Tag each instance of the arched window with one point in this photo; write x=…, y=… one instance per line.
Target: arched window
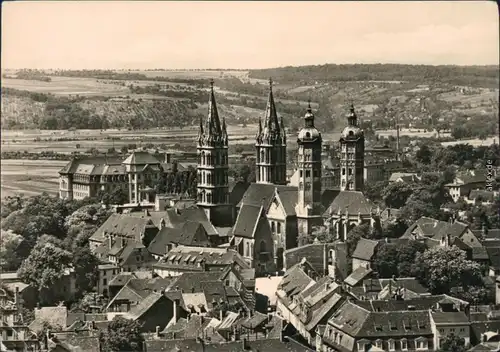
x=272, y=227
x=247, y=251
x=209, y=198
x=262, y=246
x=278, y=227
x=262, y=156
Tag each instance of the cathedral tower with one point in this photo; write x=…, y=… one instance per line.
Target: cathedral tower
x=352, y=151
x=270, y=145
x=212, y=148
x=308, y=208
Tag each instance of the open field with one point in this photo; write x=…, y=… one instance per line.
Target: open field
x=67, y=86
x=415, y=133
x=30, y=177
x=473, y=142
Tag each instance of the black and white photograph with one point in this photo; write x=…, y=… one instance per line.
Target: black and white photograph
x=264, y=176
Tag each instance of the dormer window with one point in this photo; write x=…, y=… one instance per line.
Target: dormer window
x=361, y=346
x=392, y=345
x=421, y=343
x=404, y=344
x=378, y=343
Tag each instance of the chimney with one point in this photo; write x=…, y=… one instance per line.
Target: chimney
x=325, y=259
x=176, y=308
x=16, y=296
x=244, y=344
x=157, y=331
x=448, y=240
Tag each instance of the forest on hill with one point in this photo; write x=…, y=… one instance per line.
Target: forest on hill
x=472, y=76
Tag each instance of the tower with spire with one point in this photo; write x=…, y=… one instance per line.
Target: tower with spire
x=212, y=169
x=270, y=145
x=352, y=151
x=309, y=208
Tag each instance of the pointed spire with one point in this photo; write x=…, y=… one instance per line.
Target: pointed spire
x=200, y=132
x=259, y=131
x=309, y=115
x=271, y=117
x=352, y=118
x=213, y=126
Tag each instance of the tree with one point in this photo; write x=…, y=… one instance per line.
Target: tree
x=453, y=343
x=9, y=243
x=444, y=268
x=397, y=259
x=396, y=194
x=117, y=196
x=44, y=267
x=424, y=155
x=85, y=266
x=83, y=223
x=354, y=236
x=373, y=191
x=122, y=335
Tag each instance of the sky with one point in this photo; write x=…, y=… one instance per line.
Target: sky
x=231, y=34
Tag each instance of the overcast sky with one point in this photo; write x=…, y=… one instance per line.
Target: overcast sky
x=92, y=34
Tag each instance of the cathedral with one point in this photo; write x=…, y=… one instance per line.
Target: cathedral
x=271, y=216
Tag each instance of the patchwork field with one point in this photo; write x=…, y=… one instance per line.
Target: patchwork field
x=67, y=86
x=29, y=177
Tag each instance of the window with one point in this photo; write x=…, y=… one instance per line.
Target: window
x=104, y=282
x=343, y=171
x=350, y=171
x=361, y=346
x=404, y=344
x=279, y=227
x=441, y=330
x=462, y=329
x=378, y=343
x=308, y=173
x=392, y=345
x=272, y=227
x=262, y=247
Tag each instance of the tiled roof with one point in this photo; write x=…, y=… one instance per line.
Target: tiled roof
x=468, y=178
x=314, y=254
x=237, y=191
x=92, y=165
x=365, y=249
x=189, y=282
x=294, y=281
x=408, y=283
x=323, y=310
x=194, y=301
x=55, y=316
x=359, y=322
x=190, y=234
x=121, y=279
x=141, y=158
x=479, y=253
x=456, y=229
x=274, y=345
x=177, y=218
x=357, y=276
x=247, y=220
x=254, y=321
x=122, y=225
x=259, y=194
x=352, y=201
x=428, y=226
x=421, y=303
x=186, y=257
x=145, y=305
x=406, y=176
x=449, y=318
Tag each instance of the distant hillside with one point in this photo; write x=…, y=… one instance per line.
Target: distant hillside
x=473, y=76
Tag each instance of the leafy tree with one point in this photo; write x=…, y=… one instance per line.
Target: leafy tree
x=397, y=259
x=396, y=194
x=9, y=243
x=394, y=229
x=85, y=266
x=44, y=267
x=83, y=223
x=354, y=236
x=424, y=155
x=453, y=343
x=117, y=196
x=85, y=302
x=373, y=191
x=444, y=268
x=122, y=335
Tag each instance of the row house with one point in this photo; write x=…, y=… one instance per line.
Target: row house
x=183, y=259
x=394, y=325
